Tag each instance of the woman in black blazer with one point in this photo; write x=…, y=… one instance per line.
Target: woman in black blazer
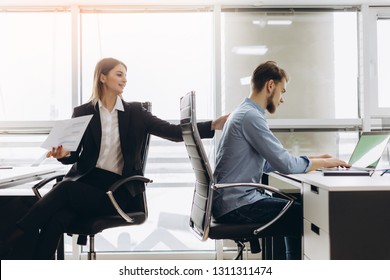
x=109, y=150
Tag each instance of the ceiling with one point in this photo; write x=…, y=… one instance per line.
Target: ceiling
x=193, y=2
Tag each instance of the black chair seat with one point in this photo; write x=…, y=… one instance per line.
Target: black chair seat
x=95, y=225
x=232, y=231
x=237, y=231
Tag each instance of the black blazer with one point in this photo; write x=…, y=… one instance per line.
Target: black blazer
x=134, y=124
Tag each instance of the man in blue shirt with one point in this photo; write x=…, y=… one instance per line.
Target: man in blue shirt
x=248, y=148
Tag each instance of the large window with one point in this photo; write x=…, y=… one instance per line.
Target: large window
x=376, y=65
x=318, y=50
x=383, y=31
x=167, y=55
x=35, y=80
x=35, y=70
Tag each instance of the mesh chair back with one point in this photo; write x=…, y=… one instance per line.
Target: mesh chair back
x=201, y=204
x=141, y=204
x=145, y=148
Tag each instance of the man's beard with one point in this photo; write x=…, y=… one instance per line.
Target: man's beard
x=271, y=108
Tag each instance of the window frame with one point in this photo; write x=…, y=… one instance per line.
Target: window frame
x=369, y=64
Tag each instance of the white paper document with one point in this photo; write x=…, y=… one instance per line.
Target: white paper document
x=67, y=133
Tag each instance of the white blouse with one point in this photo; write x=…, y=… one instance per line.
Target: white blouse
x=110, y=156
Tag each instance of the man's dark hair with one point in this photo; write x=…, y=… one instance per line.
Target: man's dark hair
x=265, y=72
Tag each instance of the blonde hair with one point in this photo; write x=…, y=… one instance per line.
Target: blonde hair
x=104, y=66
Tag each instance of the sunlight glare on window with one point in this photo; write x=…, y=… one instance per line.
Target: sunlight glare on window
x=166, y=55
x=35, y=65
x=345, y=64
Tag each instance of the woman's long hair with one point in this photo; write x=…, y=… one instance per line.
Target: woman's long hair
x=104, y=66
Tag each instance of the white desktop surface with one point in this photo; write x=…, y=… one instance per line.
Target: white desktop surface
x=345, y=183
x=15, y=174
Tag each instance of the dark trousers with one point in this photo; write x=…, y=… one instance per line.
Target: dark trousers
x=290, y=225
x=68, y=200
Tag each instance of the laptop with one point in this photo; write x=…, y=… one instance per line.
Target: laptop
x=365, y=157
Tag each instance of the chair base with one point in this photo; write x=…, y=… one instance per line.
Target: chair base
x=240, y=249
x=82, y=241
x=92, y=253
x=254, y=247
x=271, y=248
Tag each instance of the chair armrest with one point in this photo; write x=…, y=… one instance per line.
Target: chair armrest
x=119, y=184
x=42, y=183
x=260, y=186
x=290, y=199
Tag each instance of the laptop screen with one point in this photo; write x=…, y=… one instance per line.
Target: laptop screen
x=369, y=149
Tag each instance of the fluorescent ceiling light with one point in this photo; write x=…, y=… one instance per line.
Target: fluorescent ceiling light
x=257, y=21
x=250, y=50
x=279, y=22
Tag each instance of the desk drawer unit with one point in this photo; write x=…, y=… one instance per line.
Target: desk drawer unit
x=316, y=222
x=316, y=243
x=316, y=206
x=345, y=218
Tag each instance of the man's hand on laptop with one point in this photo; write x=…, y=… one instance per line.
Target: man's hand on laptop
x=326, y=161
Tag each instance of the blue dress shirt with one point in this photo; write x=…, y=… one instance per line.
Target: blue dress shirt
x=246, y=150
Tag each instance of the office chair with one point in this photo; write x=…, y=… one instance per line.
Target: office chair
x=201, y=220
x=124, y=217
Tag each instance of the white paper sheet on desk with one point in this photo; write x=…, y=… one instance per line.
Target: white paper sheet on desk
x=67, y=133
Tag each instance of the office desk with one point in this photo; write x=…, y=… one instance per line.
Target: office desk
x=344, y=217
x=17, y=197
x=16, y=176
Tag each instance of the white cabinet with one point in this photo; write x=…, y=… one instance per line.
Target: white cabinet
x=316, y=244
